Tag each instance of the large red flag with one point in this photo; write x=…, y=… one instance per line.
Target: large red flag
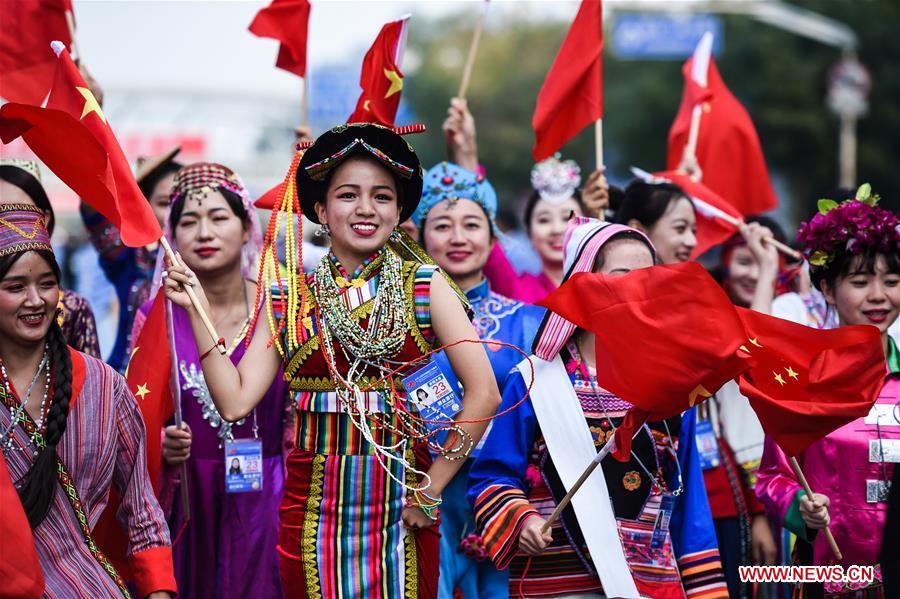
x=667, y=336
x=572, y=94
x=381, y=79
x=148, y=377
x=288, y=22
x=26, y=62
x=728, y=149
x=807, y=383
x=20, y=569
x=72, y=137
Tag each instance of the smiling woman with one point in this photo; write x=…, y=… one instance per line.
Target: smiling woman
x=362, y=490
x=74, y=432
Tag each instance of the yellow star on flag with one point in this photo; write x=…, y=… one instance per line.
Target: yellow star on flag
x=699, y=391
x=755, y=341
x=142, y=390
x=90, y=104
x=396, y=82
x=779, y=378
x=366, y=106
x=791, y=373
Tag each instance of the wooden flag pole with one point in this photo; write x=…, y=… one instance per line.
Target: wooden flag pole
x=598, y=142
x=304, y=105
x=781, y=247
x=803, y=482
x=179, y=421
x=473, y=51
x=608, y=448
x=210, y=328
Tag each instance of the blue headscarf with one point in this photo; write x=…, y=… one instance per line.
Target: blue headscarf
x=448, y=182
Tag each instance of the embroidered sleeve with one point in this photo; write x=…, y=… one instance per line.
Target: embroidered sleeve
x=693, y=535
x=422, y=299
x=79, y=326
x=148, y=535
x=776, y=486
x=497, y=483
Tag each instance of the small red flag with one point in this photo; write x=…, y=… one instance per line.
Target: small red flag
x=288, y=22
x=667, y=336
x=381, y=79
x=72, y=137
x=148, y=377
x=806, y=382
x=728, y=149
x=26, y=62
x=572, y=94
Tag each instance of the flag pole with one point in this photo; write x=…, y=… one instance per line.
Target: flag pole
x=174, y=393
x=304, y=104
x=598, y=142
x=210, y=328
x=70, y=21
x=803, y=482
x=608, y=448
x=473, y=50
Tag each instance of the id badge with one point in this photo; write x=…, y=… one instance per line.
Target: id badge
x=243, y=466
x=877, y=491
x=707, y=444
x=889, y=452
x=661, y=528
x=431, y=393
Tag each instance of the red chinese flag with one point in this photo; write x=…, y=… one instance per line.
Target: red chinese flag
x=148, y=379
x=72, y=137
x=667, y=336
x=713, y=212
x=728, y=148
x=26, y=62
x=805, y=382
x=381, y=79
x=572, y=94
x=288, y=22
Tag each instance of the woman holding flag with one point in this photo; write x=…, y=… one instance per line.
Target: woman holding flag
x=362, y=490
x=854, y=253
x=655, y=540
x=228, y=548
x=69, y=430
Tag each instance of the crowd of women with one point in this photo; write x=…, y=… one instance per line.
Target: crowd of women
x=387, y=397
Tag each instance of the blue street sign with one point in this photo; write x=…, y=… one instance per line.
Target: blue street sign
x=662, y=36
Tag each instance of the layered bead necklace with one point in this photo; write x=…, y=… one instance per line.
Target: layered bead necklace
x=18, y=415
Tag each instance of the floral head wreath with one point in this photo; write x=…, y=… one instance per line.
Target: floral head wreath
x=555, y=180
x=856, y=225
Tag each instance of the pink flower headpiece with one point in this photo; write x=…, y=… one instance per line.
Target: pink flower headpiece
x=856, y=225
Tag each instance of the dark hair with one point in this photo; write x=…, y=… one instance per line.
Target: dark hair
x=320, y=191
x=645, y=202
x=38, y=487
x=843, y=261
x=632, y=235
x=148, y=183
x=532, y=201
x=486, y=217
x=32, y=187
x=234, y=202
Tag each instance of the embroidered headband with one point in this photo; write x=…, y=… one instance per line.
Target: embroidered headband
x=23, y=228
x=195, y=181
x=29, y=166
x=555, y=180
x=448, y=182
x=856, y=225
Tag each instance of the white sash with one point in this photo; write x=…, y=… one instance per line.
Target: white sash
x=572, y=448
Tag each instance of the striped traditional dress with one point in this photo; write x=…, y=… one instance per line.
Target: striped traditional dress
x=103, y=445
x=341, y=531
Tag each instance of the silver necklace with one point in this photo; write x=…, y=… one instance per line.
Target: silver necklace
x=6, y=439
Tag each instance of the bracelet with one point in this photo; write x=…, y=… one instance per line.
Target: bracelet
x=430, y=506
x=221, y=341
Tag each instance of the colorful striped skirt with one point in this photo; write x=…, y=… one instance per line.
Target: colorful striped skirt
x=341, y=530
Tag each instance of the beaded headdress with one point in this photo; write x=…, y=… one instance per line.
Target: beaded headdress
x=555, y=180
x=856, y=225
x=23, y=228
x=196, y=181
x=29, y=166
x=448, y=182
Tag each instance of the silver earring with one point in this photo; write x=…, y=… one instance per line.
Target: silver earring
x=323, y=231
